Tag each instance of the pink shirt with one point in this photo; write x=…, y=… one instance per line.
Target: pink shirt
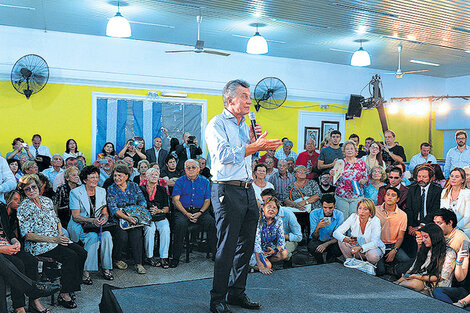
x=351, y=172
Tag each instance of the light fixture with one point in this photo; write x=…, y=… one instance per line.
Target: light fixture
x=443, y=108
x=257, y=44
x=467, y=110
x=424, y=62
x=118, y=26
x=361, y=57
x=393, y=108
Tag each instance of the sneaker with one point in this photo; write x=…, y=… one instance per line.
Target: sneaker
x=120, y=265
x=140, y=269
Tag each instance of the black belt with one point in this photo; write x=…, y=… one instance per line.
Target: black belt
x=237, y=183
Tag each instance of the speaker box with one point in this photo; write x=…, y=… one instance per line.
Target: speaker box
x=354, y=108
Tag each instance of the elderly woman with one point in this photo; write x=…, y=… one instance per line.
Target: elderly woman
x=14, y=165
x=377, y=178
x=350, y=176
x=20, y=148
x=158, y=205
x=62, y=194
x=260, y=183
x=71, y=150
x=364, y=241
x=142, y=167
x=304, y=194
x=136, y=152
x=456, y=197
x=88, y=206
x=374, y=158
x=30, y=167
x=270, y=244
x=121, y=194
x=43, y=236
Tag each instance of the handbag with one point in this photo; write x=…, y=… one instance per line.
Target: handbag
x=139, y=213
x=92, y=228
x=361, y=265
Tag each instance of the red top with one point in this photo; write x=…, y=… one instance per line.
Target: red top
x=308, y=161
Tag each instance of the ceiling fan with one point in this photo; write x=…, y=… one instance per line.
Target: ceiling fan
x=199, y=46
x=399, y=73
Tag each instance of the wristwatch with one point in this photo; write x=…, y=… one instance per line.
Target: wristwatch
x=395, y=248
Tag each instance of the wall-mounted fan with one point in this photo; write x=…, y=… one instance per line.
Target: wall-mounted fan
x=270, y=93
x=29, y=75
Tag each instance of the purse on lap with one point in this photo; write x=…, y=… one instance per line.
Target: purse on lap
x=139, y=213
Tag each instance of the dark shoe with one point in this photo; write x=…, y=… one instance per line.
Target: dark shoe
x=165, y=263
x=87, y=280
x=151, y=262
x=220, y=307
x=244, y=302
x=287, y=264
x=174, y=263
x=66, y=304
x=46, y=289
x=107, y=275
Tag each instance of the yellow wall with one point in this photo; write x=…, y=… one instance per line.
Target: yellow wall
x=60, y=112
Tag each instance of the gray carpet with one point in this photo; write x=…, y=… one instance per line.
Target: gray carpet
x=319, y=288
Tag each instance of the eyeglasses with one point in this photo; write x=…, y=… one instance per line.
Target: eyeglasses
x=191, y=167
x=93, y=177
x=301, y=172
x=461, y=138
x=30, y=188
x=394, y=177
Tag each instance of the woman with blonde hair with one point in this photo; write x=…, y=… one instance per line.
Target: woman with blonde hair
x=377, y=178
x=364, y=241
x=456, y=197
x=467, y=176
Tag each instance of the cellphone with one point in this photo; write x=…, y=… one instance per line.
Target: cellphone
x=103, y=161
x=406, y=275
x=328, y=219
x=465, y=245
x=418, y=234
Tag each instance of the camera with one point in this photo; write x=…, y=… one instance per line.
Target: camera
x=24, y=144
x=191, y=140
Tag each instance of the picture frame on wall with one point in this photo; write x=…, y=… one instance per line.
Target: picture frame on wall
x=312, y=133
x=328, y=126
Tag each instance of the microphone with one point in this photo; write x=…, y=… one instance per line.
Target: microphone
x=252, y=117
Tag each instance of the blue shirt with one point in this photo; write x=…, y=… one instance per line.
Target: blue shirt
x=326, y=233
x=192, y=193
x=269, y=236
x=418, y=159
x=291, y=226
x=51, y=173
x=226, y=141
x=118, y=199
x=371, y=193
x=455, y=158
x=280, y=155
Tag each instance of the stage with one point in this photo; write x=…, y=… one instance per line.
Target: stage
x=319, y=288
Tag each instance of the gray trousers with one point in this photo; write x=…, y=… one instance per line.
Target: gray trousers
x=236, y=217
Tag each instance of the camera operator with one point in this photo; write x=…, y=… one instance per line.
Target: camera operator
x=188, y=150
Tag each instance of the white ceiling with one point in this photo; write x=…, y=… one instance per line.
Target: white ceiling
x=320, y=30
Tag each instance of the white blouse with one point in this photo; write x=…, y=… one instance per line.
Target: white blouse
x=371, y=234
x=461, y=208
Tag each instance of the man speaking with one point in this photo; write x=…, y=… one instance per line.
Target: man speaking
x=231, y=143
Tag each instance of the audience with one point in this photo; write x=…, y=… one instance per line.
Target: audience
x=374, y=158
x=108, y=150
x=309, y=159
x=14, y=165
x=458, y=156
x=447, y=221
x=392, y=151
x=134, y=149
x=304, y=194
x=377, y=177
x=20, y=148
x=42, y=154
x=260, y=183
x=60, y=179
x=30, y=167
x=281, y=181
x=367, y=143
x=323, y=222
x=56, y=168
x=269, y=153
x=290, y=164
x=7, y=179
x=325, y=184
x=71, y=150
x=424, y=156
x=330, y=154
x=157, y=154
x=395, y=177
x=129, y=161
x=170, y=173
x=286, y=151
x=106, y=165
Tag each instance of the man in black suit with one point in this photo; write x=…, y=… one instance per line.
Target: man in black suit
x=423, y=201
x=188, y=150
x=157, y=154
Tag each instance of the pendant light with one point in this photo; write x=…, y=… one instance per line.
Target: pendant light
x=361, y=57
x=257, y=44
x=118, y=26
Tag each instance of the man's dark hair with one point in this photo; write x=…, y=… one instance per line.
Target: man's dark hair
x=395, y=189
x=328, y=198
x=396, y=169
x=36, y=135
x=88, y=170
x=461, y=132
x=70, y=159
x=447, y=216
x=335, y=132
x=370, y=138
x=169, y=157
x=425, y=167
x=425, y=144
x=354, y=136
x=269, y=192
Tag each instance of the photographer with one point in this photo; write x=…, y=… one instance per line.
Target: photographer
x=134, y=148
x=188, y=150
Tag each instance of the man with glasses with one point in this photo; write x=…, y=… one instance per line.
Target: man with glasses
x=458, y=156
x=395, y=177
x=191, y=198
x=269, y=162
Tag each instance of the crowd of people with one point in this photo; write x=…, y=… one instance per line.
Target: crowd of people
x=350, y=201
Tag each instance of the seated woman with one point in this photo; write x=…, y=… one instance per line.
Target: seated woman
x=270, y=243
x=456, y=197
x=158, y=205
x=71, y=150
x=377, y=178
x=62, y=194
x=43, y=235
x=15, y=168
x=434, y=263
x=304, y=194
x=260, y=183
x=88, y=206
x=136, y=152
x=142, y=167
x=364, y=241
x=20, y=148
x=30, y=167
x=46, y=187
x=121, y=194
x=108, y=149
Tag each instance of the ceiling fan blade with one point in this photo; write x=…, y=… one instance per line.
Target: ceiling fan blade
x=389, y=73
x=411, y=72
x=216, y=53
x=177, y=51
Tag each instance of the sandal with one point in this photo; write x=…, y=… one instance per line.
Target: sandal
x=66, y=304
x=165, y=263
x=107, y=275
x=32, y=309
x=87, y=280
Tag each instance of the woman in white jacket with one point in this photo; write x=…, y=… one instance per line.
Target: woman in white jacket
x=456, y=197
x=364, y=240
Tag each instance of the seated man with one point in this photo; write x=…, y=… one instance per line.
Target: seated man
x=447, y=220
x=323, y=222
x=170, y=173
x=395, y=177
x=292, y=229
x=270, y=241
x=393, y=222
x=269, y=153
x=271, y=170
x=59, y=179
x=55, y=169
x=281, y=180
x=191, y=197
